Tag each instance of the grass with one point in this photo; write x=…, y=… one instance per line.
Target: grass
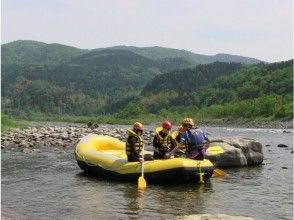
x=213, y=114
x=8, y=123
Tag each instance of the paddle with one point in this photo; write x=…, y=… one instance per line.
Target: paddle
x=218, y=173
x=141, y=181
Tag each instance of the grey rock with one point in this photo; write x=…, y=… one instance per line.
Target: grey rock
x=282, y=145
x=26, y=150
x=238, y=151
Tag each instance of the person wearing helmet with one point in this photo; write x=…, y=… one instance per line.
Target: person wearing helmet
x=134, y=142
x=195, y=140
x=162, y=142
x=178, y=149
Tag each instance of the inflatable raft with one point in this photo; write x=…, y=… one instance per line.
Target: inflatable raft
x=105, y=156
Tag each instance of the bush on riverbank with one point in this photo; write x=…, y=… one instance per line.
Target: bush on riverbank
x=7, y=123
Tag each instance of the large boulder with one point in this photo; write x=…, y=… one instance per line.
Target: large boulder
x=238, y=151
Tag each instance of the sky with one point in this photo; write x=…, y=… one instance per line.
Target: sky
x=261, y=29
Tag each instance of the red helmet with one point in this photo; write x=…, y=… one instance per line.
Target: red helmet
x=167, y=125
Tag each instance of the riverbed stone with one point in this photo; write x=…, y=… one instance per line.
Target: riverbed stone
x=282, y=145
x=26, y=150
x=238, y=151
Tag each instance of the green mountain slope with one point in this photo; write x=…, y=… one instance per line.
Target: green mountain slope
x=161, y=52
x=57, y=79
x=189, y=79
x=26, y=51
x=264, y=90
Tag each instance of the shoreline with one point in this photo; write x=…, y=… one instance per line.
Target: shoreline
x=63, y=135
x=232, y=123
x=242, y=123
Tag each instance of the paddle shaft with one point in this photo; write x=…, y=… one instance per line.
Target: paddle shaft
x=141, y=181
x=142, y=163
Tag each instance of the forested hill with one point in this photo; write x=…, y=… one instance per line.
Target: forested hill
x=189, y=79
x=260, y=90
x=58, y=79
x=26, y=51
x=163, y=53
x=34, y=52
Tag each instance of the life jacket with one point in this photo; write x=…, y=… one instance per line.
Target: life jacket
x=164, y=142
x=176, y=136
x=138, y=145
x=196, y=139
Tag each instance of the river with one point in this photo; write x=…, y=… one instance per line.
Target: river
x=49, y=185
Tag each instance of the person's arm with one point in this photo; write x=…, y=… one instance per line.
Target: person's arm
x=179, y=146
x=207, y=142
x=173, y=143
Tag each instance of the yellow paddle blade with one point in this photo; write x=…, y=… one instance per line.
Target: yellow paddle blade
x=218, y=173
x=213, y=150
x=142, y=183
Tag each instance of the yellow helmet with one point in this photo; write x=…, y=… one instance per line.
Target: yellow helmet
x=138, y=125
x=188, y=121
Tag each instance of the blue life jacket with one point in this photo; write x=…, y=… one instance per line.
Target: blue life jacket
x=196, y=139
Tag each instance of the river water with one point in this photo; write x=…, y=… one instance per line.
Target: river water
x=49, y=185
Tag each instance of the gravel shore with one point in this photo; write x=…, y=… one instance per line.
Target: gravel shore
x=242, y=123
x=63, y=136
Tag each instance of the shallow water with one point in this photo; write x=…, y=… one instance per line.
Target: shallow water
x=50, y=185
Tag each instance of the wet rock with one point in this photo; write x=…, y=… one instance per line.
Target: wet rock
x=117, y=136
x=63, y=136
x=16, y=141
x=26, y=150
x=23, y=144
x=238, y=151
x=282, y=145
x=37, y=150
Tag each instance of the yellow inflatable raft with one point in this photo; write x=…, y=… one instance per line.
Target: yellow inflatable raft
x=105, y=156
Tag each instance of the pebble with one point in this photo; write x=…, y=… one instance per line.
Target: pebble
x=282, y=145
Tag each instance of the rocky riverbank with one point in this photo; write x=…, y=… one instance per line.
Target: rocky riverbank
x=57, y=137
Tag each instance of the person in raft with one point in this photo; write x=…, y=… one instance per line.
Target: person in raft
x=176, y=136
x=162, y=142
x=195, y=140
x=134, y=144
